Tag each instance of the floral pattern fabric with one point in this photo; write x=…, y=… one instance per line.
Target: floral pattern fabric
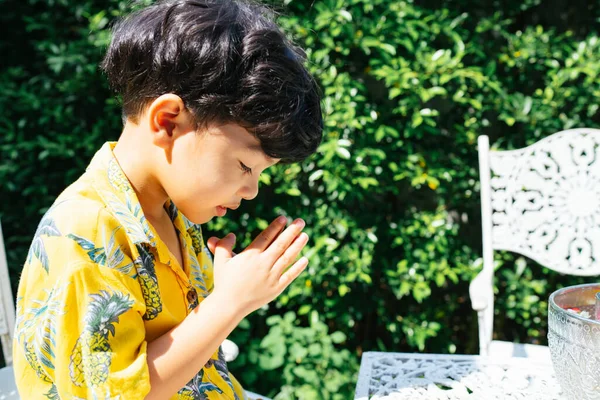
x=98, y=285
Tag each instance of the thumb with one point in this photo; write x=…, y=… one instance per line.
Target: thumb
x=224, y=247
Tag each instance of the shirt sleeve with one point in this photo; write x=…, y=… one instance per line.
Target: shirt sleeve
x=98, y=335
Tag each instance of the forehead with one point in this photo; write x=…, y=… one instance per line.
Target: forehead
x=240, y=139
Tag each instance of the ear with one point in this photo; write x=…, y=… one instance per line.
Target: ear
x=167, y=119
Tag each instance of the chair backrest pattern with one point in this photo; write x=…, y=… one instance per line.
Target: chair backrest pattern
x=545, y=201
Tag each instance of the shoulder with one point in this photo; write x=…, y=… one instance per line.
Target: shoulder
x=78, y=209
x=75, y=230
x=82, y=217
x=79, y=242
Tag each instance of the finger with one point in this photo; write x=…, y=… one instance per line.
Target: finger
x=224, y=247
x=292, y=273
x=266, y=237
x=212, y=244
x=290, y=254
x=283, y=241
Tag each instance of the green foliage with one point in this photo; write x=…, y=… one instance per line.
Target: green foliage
x=391, y=199
x=307, y=358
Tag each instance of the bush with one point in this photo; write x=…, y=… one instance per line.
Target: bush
x=391, y=199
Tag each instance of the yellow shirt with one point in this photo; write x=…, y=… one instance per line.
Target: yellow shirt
x=97, y=285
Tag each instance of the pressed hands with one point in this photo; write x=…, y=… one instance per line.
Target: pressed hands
x=260, y=273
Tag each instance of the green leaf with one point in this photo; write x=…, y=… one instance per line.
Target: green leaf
x=304, y=309
x=338, y=337
x=343, y=290
x=346, y=15
x=343, y=153
x=437, y=55
x=293, y=192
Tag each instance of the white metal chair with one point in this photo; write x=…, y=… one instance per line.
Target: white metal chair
x=8, y=388
x=543, y=202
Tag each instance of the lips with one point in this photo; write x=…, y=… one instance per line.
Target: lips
x=222, y=210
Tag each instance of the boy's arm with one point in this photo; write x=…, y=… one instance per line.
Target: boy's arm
x=243, y=284
x=175, y=357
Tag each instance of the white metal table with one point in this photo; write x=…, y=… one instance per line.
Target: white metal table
x=408, y=376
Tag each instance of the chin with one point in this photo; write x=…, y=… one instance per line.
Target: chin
x=200, y=220
x=203, y=220
x=196, y=218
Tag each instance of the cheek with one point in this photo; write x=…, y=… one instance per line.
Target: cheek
x=197, y=181
x=181, y=177
x=203, y=186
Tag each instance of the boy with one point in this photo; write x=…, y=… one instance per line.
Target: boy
x=118, y=298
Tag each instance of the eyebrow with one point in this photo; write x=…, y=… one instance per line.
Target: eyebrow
x=258, y=149
x=254, y=147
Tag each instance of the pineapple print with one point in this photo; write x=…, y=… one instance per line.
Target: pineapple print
x=132, y=214
x=96, y=396
x=172, y=210
x=197, y=277
x=36, y=332
x=196, y=389
x=47, y=227
x=34, y=362
x=111, y=255
x=148, y=281
x=91, y=356
x=52, y=393
x=129, y=212
x=196, y=274
x=221, y=366
x=197, y=241
x=116, y=177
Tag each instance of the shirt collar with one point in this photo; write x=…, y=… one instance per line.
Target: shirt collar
x=118, y=195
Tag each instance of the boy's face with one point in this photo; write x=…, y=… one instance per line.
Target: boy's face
x=211, y=171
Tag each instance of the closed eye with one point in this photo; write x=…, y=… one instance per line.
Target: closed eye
x=245, y=168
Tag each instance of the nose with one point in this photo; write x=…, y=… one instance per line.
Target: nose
x=250, y=190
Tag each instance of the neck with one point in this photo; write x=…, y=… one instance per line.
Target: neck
x=136, y=163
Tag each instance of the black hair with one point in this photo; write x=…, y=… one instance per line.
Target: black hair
x=228, y=61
